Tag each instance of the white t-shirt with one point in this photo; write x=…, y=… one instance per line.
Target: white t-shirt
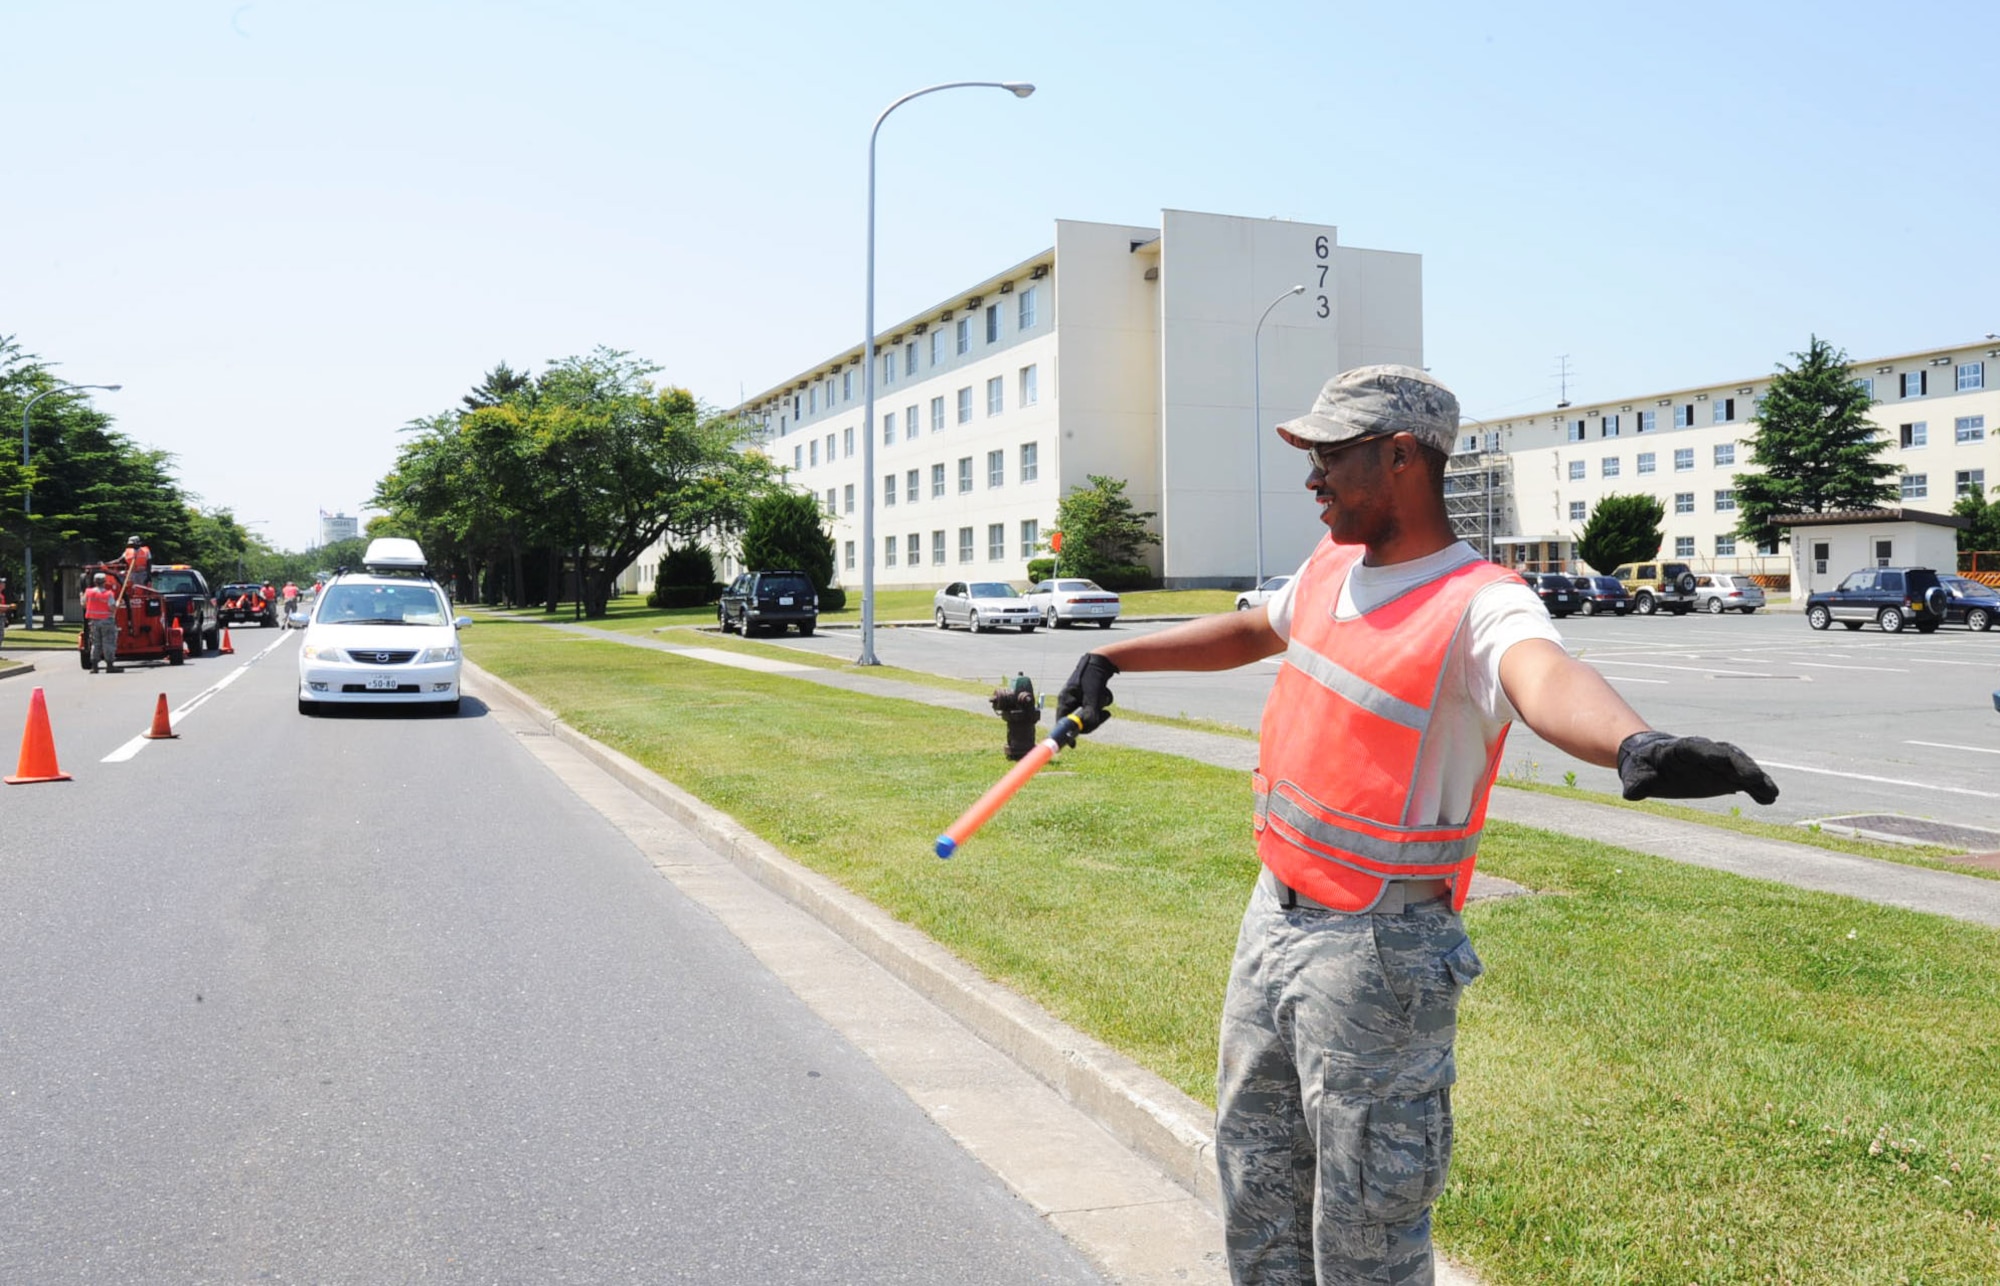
x=1471, y=705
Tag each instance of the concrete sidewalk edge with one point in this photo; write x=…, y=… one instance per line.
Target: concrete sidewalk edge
x=1135, y=1106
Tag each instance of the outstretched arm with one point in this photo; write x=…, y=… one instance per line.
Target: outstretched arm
x=1220, y=642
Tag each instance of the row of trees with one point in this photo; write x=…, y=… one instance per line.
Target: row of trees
x=1818, y=451
x=93, y=487
x=568, y=475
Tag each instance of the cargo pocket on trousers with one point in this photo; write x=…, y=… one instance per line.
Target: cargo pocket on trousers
x=1464, y=963
x=1384, y=1135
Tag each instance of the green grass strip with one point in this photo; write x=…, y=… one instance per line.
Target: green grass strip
x=1669, y=1074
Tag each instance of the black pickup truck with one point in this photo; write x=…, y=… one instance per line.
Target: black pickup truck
x=242, y=604
x=185, y=598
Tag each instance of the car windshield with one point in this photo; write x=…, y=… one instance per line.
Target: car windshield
x=412, y=604
x=993, y=589
x=173, y=582
x=794, y=585
x=1276, y=582
x=1971, y=588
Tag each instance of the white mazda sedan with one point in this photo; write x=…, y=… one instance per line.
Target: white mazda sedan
x=383, y=637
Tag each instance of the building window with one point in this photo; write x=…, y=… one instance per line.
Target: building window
x=1031, y=467
x=937, y=414
x=937, y=549
x=937, y=347
x=992, y=323
x=888, y=489
x=1576, y=430
x=1725, y=453
x=889, y=367
x=847, y=556
x=1867, y=385
x=1646, y=459
x=1683, y=459
x=1576, y=468
x=996, y=468
x=1916, y=486
x=910, y=423
x=889, y=429
x=1769, y=548
x=911, y=482
x=1025, y=320
x=964, y=475
x=1649, y=421
x=1722, y=410
x=1914, y=383
x=1971, y=375
x=798, y=456
x=995, y=392
x=832, y=496
x=996, y=541
x=965, y=544
x=1609, y=427
x=1885, y=552
x=847, y=442
x=913, y=548
x=812, y=452
x=847, y=385
x=937, y=482
x=1469, y=443
x=1725, y=500
x=1683, y=546
x=847, y=498
x=1684, y=416
x=1576, y=510
x=1913, y=435
x=829, y=448
x=1684, y=502
x=888, y=551
x=965, y=405
x=910, y=360
x=1972, y=482
x=1969, y=428
x=1725, y=546
x=1029, y=396
x=1609, y=467
x=964, y=335
x=812, y=400
x=1031, y=536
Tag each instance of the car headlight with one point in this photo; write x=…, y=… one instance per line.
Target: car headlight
x=311, y=653
x=438, y=654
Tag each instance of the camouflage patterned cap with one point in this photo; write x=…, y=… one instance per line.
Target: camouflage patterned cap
x=1378, y=399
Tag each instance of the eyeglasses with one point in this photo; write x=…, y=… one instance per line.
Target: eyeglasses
x=1322, y=453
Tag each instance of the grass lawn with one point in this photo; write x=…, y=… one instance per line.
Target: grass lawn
x=1670, y=1074
x=25, y=644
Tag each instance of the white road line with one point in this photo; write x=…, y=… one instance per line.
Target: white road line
x=194, y=703
x=1880, y=669
x=1633, y=678
x=1946, y=745
x=1886, y=781
x=1691, y=669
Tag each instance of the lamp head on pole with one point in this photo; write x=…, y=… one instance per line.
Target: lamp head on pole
x=1018, y=88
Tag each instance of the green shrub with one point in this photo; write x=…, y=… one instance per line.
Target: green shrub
x=832, y=599
x=1040, y=569
x=683, y=595
x=1126, y=576
x=689, y=566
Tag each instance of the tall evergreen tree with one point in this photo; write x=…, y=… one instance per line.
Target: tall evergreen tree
x=1621, y=529
x=786, y=532
x=1818, y=449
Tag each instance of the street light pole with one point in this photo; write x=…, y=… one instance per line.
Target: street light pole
x=28, y=499
x=1257, y=416
x=1019, y=89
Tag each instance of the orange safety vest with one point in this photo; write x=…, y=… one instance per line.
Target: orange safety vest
x=137, y=557
x=97, y=604
x=1346, y=731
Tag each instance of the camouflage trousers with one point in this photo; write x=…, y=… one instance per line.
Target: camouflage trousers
x=1333, y=1098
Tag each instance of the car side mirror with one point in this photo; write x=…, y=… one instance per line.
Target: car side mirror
x=460, y=622
x=297, y=620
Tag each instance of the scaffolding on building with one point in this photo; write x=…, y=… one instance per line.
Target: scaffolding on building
x=1477, y=487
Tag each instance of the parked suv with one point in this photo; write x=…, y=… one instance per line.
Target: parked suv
x=1892, y=597
x=1971, y=603
x=761, y=601
x=1719, y=592
x=185, y=598
x=1658, y=587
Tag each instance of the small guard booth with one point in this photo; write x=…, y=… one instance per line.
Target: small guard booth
x=1828, y=546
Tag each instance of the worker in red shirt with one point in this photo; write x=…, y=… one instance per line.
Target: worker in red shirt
x=138, y=560
x=100, y=640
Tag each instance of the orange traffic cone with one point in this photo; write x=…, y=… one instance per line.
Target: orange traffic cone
x=38, y=746
x=161, y=729
x=226, y=648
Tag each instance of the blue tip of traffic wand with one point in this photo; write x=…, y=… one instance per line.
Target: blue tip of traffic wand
x=946, y=846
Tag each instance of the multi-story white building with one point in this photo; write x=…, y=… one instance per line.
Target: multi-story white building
x=337, y=526
x=1120, y=351
x=1523, y=486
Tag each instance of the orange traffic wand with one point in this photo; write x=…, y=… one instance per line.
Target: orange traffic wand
x=161, y=729
x=1003, y=790
x=38, y=746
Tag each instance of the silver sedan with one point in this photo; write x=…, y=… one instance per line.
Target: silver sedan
x=1064, y=601
x=981, y=605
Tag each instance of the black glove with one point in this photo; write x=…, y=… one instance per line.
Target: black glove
x=1086, y=695
x=1662, y=766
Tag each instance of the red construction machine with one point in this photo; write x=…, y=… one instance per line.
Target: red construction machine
x=147, y=631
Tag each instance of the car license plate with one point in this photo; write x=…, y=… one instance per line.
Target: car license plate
x=381, y=683
x=784, y=602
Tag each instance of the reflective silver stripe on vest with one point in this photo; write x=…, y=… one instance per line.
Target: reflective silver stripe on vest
x=1385, y=852
x=1345, y=683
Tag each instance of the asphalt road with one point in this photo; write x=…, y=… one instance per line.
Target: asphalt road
x=377, y=999
x=1847, y=722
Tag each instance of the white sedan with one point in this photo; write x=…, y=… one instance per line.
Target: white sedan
x=1262, y=594
x=1065, y=601
x=981, y=605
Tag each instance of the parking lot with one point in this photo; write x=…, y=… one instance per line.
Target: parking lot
x=1848, y=722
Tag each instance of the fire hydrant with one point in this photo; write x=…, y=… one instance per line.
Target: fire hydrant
x=1017, y=705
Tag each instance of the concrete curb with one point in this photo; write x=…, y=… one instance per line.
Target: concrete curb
x=1132, y=1104
x=8, y=669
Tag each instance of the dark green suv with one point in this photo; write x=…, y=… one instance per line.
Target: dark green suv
x=768, y=601
x=1892, y=597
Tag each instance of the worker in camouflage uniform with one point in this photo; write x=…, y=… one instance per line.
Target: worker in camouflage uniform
x=1406, y=658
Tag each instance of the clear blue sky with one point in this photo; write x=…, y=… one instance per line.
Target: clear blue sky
x=288, y=227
